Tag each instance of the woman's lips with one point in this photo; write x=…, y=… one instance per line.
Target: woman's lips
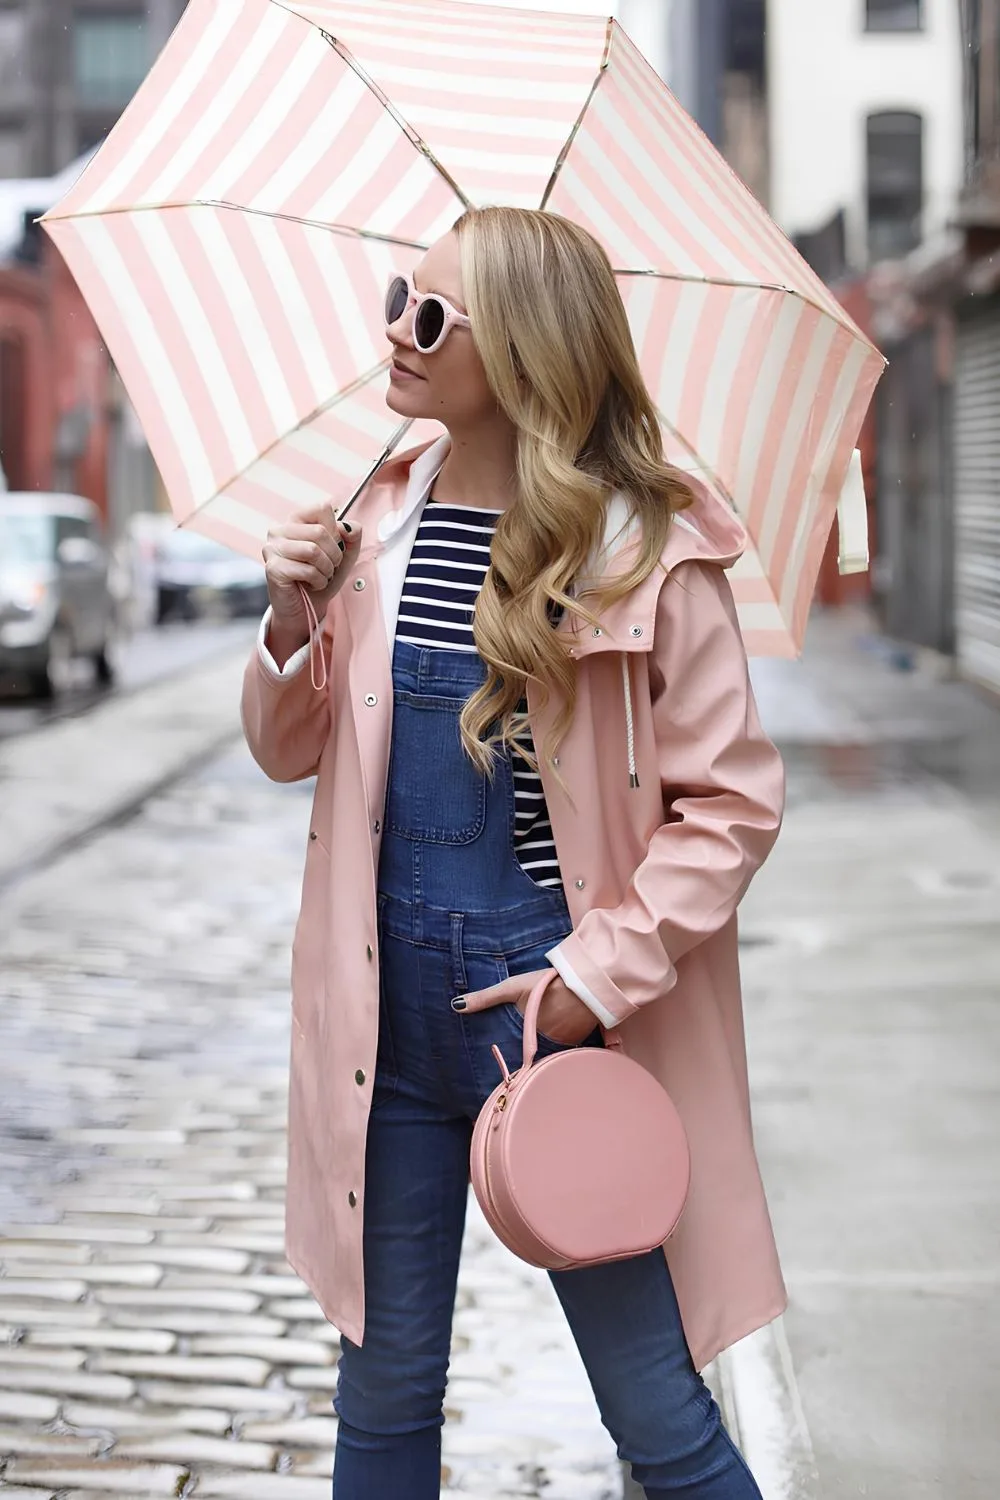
x=401, y=373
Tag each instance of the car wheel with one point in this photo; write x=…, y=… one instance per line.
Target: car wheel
x=104, y=667
x=56, y=673
x=40, y=684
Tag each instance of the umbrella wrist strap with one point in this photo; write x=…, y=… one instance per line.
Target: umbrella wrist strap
x=317, y=674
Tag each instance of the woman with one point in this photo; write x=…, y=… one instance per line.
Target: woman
x=573, y=777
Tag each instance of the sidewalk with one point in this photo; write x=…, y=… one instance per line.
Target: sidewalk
x=61, y=783
x=872, y=970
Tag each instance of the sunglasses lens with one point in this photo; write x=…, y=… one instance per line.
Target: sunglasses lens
x=428, y=323
x=396, y=299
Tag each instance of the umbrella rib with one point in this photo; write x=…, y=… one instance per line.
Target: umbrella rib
x=564, y=152
x=417, y=141
x=347, y=230
x=702, y=463
x=756, y=286
x=334, y=401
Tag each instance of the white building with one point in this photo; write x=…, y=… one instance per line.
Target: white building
x=853, y=108
x=865, y=118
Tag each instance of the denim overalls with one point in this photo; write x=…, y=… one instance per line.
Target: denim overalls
x=458, y=914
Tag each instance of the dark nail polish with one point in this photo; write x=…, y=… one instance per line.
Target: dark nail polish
x=458, y=1005
x=347, y=525
x=340, y=544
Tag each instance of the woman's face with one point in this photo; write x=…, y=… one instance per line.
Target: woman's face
x=449, y=385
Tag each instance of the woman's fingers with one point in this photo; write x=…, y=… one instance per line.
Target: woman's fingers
x=308, y=549
x=515, y=988
x=292, y=549
x=289, y=571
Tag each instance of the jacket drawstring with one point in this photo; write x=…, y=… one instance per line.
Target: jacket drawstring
x=633, y=776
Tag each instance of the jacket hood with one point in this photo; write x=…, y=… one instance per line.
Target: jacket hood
x=707, y=531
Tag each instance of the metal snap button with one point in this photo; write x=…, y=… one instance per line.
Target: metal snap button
x=352, y=1198
x=359, y=1076
x=555, y=760
x=377, y=826
x=370, y=700
x=311, y=834
x=636, y=630
x=580, y=884
x=359, y=584
x=370, y=952
x=598, y=630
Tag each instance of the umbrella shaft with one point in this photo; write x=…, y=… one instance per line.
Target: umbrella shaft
x=403, y=428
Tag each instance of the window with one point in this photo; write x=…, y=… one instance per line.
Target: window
x=893, y=15
x=110, y=57
x=982, y=83
x=27, y=539
x=13, y=45
x=13, y=157
x=895, y=183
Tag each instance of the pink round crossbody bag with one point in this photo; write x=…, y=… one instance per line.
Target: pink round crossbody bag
x=578, y=1158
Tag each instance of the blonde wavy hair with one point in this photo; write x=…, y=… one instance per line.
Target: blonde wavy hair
x=549, y=325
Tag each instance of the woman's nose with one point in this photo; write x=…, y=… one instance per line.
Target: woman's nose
x=401, y=332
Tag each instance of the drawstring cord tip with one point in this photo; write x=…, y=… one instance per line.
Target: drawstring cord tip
x=633, y=780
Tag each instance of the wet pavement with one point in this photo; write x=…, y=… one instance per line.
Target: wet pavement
x=154, y=1342
x=143, y=657
x=152, y=1338
x=872, y=979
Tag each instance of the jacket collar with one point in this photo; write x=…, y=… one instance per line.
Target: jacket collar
x=708, y=531
x=398, y=492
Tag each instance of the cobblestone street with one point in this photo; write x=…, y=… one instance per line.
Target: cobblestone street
x=154, y=1342
x=152, y=1339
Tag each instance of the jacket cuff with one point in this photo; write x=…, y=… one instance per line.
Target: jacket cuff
x=292, y=666
x=596, y=990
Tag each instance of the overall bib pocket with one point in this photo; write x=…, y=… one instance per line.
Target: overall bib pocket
x=437, y=797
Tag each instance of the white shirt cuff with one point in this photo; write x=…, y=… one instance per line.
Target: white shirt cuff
x=572, y=981
x=295, y=662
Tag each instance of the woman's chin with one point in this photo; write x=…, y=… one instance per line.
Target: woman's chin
x=408, y=400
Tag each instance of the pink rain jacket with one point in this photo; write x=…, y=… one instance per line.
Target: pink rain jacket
x=653, y=876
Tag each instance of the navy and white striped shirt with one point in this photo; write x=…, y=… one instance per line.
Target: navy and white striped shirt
x=450, y=557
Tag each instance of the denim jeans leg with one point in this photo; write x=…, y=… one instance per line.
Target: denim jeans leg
x=627, y=1327
x=390, y=1390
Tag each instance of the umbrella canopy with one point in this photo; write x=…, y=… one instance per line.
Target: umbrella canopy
x=235, y=233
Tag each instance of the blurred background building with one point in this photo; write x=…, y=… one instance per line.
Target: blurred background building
x=869, y=128
x=871, y=131
x=67, y=69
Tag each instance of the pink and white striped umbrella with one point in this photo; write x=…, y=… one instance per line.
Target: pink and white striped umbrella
x=235, y=233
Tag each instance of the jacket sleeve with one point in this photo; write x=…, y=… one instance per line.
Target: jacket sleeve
x=286, y=720
x=723, y=796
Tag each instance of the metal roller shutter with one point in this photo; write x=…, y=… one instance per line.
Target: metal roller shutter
x=977, y=496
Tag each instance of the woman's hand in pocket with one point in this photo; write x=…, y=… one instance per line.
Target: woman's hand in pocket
x=562, y=1016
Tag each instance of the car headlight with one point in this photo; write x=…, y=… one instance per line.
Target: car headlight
x=25, y=598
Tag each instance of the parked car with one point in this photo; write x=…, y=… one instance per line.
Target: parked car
x=55, y=601
x=195, y=576
x=144, y=530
